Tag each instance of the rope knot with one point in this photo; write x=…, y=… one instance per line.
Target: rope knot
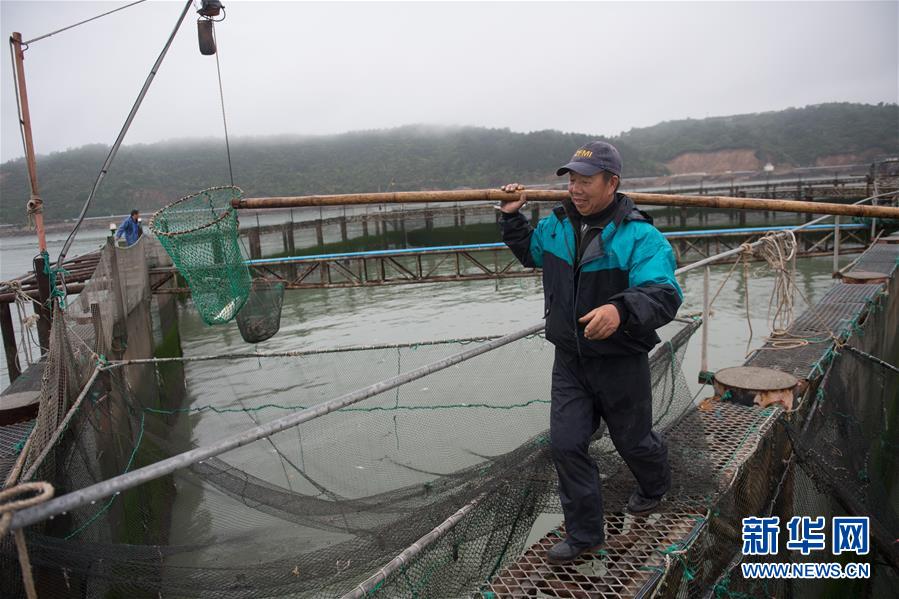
x=34, y=206
x=12, y=500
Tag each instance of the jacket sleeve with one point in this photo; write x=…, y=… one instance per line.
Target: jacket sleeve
x=522, y=239
x=120, y=232
x=653, y=295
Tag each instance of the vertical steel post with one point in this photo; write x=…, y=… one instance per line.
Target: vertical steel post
x=706, y=310
x=255, y=243
x=289, y=250
x=874, y=203
x=42, y=303
x=836, y=245
x=794, y=286
x=9, y=342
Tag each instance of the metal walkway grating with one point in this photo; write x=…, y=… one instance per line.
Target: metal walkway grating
x=850, y=294
x=800, y=362
x=726, y=436
x=632, y=556
x=629, y=559
x=881, y=257
x=834, y=313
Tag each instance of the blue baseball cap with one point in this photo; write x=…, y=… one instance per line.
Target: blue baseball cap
x=593, y=157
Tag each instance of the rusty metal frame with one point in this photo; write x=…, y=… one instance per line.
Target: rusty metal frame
x=470, y=264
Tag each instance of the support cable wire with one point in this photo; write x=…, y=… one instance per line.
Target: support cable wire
x=218, y=69
x=46, y=35
x=118, y=142
x=307, y=352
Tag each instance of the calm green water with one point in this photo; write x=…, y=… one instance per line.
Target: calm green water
x=17, y=252
x=363, y=453
x=321, y=318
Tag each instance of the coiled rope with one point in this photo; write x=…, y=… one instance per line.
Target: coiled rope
x=11, y=500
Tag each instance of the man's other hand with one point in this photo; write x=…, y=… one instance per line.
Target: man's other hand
x=601, y=322
x=513, y=206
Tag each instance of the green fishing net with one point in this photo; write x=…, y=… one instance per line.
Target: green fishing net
x=200, y=233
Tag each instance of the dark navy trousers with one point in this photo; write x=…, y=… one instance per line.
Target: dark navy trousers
x=586, y=391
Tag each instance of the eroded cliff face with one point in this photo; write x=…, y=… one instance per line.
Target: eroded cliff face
x=747, y=159
x=719, y=161
x=849, y=158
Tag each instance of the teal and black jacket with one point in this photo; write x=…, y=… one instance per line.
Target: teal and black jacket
x=629, y=264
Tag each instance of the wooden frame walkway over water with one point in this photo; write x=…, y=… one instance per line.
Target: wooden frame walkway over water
x=477, y=262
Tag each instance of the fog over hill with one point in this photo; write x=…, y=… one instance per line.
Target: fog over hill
x=430, y=157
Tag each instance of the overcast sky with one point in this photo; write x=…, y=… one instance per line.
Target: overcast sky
x=315, y=68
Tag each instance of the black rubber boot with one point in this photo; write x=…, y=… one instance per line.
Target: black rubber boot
x=564, y=552
x=639, y=504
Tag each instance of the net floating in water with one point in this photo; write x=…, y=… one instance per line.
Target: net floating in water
x=200, y=233
x=260, y=317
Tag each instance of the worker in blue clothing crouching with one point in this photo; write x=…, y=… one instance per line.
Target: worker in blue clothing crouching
x=608, y=284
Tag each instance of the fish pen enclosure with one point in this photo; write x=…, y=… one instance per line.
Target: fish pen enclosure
x=425, y=469
x=316, y=509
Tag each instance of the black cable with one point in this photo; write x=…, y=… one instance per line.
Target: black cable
x=218, y=69
x=118, y=142
x=46, y=35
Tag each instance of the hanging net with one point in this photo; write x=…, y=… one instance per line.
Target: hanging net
x=313, y=511
x=260, y=317
x=200, y=233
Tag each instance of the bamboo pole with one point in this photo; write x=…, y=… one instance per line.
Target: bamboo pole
x=496, y=195
x=35, y=204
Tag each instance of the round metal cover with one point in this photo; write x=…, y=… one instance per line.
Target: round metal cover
x=19, y=406
x=755, y=379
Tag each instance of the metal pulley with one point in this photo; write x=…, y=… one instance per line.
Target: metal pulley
x=210, y=8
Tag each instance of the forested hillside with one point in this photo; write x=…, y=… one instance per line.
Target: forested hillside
x=425, y=157
x=797, y=135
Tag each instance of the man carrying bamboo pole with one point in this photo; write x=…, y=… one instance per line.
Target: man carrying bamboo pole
x=608, y=284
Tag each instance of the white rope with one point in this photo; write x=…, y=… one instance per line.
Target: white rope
x=778, y=253
x=17, y=498
x=27, y=321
